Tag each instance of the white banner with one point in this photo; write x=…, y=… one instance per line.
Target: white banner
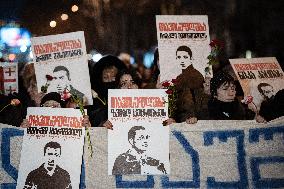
x=210, y=154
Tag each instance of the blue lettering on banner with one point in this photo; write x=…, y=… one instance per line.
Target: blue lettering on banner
x=266, y=132
x=149, y=183
x=259, y=182
x=223, y=136
x=82, y=184
x=195, y=183
x=7, y=134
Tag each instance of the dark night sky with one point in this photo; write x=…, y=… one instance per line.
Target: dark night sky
x=257, y=25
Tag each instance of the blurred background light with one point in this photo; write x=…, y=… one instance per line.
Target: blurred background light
x=97, y=57
x=64, y=17
x=148, y=59
x=52, y=24
x=248, y=54
x=74, y=8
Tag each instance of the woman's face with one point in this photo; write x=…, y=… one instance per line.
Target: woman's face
x=108, y=74
x=126, y=82
x=226, y=92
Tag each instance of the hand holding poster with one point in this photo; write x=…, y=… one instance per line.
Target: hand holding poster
x=61, y=64
x=138, y=143
x=259, y=77
x=183, y=41
x=57, y=137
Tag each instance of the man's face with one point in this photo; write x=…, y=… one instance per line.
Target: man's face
x=183, y=59
x=141, y=140
x=51, y=157
x=267, y=91
x=61, y=81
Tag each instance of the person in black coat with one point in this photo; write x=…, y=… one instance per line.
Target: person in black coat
x=223, y=104
x=272, y=106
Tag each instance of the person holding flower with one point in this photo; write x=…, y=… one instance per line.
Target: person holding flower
x=223, y=104
x=54, y=100
x=11, y=110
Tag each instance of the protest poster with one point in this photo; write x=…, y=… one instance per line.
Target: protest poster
x=52, y=149
x=183, y=40
x=8, y=78
x=61, y=63
x=138, y=143
x=260, y=78
x=59, y=47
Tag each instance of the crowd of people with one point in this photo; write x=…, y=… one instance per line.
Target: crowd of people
x=199, y=98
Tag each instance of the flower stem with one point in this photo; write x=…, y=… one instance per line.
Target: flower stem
x=4, y=107
x=80, y=104
x=103, y=102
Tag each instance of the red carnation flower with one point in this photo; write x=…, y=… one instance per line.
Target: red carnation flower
x=65, y=95
x=174, y=81
x=248, y=99
x=166, y=84
x=216, y=43
x=169, y=91
x=49, y=77
x=15, y=102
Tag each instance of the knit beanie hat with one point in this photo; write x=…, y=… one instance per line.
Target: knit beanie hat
x=52, y=96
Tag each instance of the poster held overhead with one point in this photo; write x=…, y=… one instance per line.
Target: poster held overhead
x=182, y=41
x=64, y=58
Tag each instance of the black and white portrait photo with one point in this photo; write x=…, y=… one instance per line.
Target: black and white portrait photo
x=183, y=50
x=68, y=76
x=51, y=155
x=49, y=175
x=141, y=153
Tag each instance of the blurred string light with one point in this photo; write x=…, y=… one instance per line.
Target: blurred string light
x=248, y=54
x=148, y=59
x=64, y=17
x=52, y=23
x=74, y=8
